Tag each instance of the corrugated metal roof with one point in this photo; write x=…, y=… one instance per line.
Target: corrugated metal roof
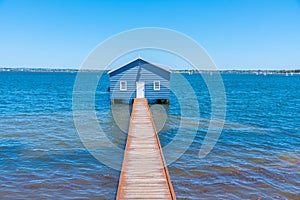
x=154, y=65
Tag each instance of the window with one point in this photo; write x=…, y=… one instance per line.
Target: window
x=156, y=85
x=123, y=85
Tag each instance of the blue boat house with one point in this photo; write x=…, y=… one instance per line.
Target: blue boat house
x=140, y=79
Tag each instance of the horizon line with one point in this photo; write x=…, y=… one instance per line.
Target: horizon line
x=5, y=68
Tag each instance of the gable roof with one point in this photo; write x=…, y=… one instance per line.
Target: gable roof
x=142, y=60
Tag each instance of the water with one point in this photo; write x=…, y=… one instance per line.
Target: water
x=257, y=155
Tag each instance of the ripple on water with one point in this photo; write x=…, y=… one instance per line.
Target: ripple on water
x=256, y=156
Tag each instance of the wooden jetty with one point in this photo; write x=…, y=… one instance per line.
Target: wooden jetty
x=144, y=172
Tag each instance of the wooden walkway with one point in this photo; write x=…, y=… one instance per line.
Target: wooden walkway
x=144, y=173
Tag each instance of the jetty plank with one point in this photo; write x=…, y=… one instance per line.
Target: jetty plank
x=144, y=172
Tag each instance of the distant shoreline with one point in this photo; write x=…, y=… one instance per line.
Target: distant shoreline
x=295, y=71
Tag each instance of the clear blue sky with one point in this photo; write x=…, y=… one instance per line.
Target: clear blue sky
x=238, y=34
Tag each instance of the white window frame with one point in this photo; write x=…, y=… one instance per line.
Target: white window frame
x=154, y=88
x=121, y=88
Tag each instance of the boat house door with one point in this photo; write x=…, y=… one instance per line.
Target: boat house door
x=140, y=89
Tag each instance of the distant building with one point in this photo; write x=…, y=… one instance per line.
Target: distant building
x=139, y=79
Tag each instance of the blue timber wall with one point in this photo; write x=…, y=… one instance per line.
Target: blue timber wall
x=139, y=71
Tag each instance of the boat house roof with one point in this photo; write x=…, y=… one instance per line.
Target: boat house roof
x=140, y=61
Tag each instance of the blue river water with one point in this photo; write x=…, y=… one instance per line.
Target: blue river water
x=256, y=156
